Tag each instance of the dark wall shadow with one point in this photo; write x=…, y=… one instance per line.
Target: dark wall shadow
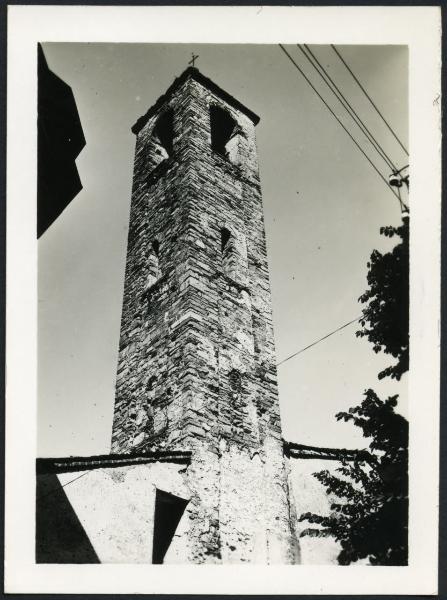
x=60, y=536
x=168, y=512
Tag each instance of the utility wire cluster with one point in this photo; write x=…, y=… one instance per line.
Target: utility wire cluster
x=369, y=98
x=396, y=179
x=329, y=82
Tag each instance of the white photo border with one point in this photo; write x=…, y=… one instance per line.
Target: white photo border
x=420, y=29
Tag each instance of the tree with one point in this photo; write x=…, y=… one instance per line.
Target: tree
x=369, y=507
x=386, y=314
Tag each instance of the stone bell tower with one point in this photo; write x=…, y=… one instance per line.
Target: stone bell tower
x=196, y=367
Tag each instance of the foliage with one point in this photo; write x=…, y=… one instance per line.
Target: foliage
x=369, y=495
x=369, y=508
x=386, y=314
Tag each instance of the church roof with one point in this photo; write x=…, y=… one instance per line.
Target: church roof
x=194, y=73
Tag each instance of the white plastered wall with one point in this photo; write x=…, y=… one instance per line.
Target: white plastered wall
x=116, y=505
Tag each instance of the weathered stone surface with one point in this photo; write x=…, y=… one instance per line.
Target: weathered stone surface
x=310, y=496
x=196, y=365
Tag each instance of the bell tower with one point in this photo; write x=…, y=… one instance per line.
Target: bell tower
x=196, y=366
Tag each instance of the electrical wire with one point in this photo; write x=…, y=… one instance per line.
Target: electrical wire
x=346, y=104
x=62, y=486
x=337, y=52
x=339, y=121
x=319, y=340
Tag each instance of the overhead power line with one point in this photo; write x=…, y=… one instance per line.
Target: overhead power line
x=319, y=340
x=62, y=486
x=316, y=64
x=339, y=121
x=337, y=52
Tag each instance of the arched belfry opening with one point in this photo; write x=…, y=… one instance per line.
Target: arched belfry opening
x=163, y=134
x=224, y=132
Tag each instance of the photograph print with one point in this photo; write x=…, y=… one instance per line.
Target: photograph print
x=223, y=291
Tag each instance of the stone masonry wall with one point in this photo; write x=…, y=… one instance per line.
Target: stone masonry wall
x=196, y=365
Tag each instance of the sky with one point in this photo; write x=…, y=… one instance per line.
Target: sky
x=323, y=207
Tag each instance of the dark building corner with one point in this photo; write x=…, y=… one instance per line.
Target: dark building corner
x=60, y=139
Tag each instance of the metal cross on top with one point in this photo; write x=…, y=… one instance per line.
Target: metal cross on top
x=193, y=59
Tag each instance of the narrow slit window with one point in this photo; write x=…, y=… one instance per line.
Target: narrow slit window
x=225, y=237
x=235, y=378
x=151, y=383
x=259, y=332
x=234, y=255
x=153, y=263
x=229, y=258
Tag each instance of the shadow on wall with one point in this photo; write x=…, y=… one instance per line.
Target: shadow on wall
x=60, y=536
x=168, y=512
